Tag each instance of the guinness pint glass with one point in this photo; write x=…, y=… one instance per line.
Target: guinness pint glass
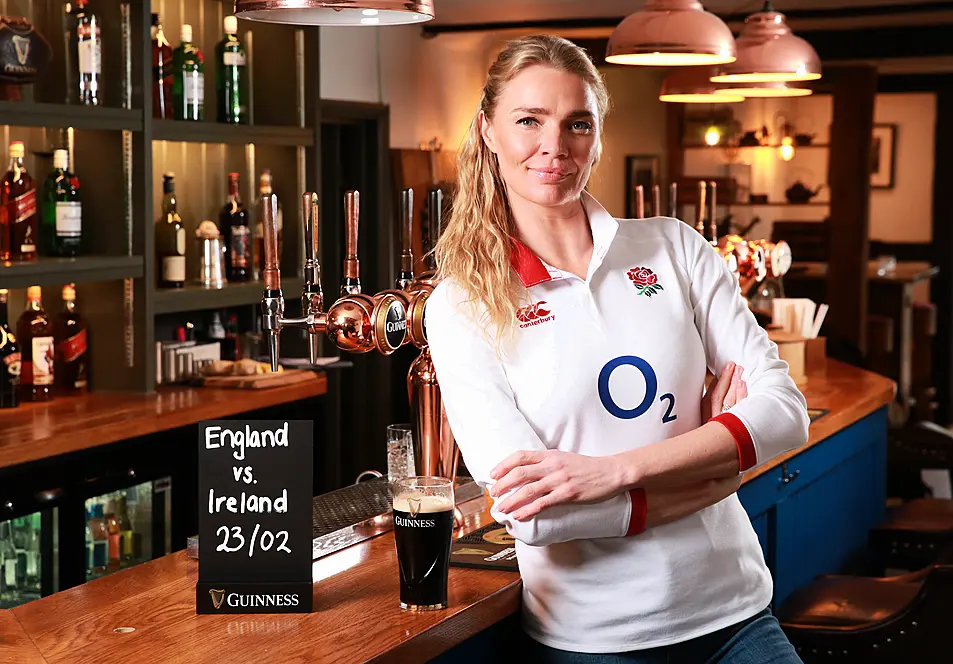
x=423, y=528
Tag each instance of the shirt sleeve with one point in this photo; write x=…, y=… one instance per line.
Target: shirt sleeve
x=488, y=427
x=773, y=418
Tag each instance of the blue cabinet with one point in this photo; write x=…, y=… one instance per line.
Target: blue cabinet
x=812, y=513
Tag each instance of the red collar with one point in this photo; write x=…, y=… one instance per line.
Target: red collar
x=528, y=266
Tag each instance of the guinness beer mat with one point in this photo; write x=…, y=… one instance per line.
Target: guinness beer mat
x=490, y=547
x=817, y=413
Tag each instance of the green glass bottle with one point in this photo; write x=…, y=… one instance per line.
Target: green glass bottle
x=232, y=77
x=62, y=210
x=188, y=83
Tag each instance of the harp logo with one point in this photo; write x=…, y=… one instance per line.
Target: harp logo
x=218, y=596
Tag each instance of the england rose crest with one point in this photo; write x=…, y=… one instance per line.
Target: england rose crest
x=645, y=280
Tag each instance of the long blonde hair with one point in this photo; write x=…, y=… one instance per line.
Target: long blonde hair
x=475, y=246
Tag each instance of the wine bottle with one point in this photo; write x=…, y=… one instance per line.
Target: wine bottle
x=232, y=82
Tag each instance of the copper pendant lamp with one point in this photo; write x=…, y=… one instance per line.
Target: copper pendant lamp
x=764, y=89
x=336, y=12
x=692, y=85
x=769, y=51
x=671, y=33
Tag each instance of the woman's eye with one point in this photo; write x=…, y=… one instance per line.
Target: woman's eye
x=526, y=122
x=581, y=125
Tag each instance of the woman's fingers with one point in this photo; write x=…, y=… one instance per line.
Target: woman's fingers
x=516, y=459
x=524, y=496
x=517, y=477
x=742, y=391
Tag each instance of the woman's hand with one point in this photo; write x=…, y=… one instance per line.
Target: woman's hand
x=544, y=478
x=724, y=391
x=671, y=504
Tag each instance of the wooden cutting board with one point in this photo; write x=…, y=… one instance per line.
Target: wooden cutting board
x=261, y=381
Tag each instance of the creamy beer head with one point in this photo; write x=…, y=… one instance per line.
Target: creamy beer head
x=417, y=503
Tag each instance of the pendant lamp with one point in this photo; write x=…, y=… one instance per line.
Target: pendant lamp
x=671, y=33
x=336, y=12
x=764, y=89
x=692, y=85
x=769, y=51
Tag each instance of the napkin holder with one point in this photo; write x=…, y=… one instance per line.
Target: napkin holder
x=792, y=348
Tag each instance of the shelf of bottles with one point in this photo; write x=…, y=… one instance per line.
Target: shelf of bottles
x=27, y=558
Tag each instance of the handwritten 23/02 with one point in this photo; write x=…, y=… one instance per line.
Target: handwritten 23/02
x=218, y=437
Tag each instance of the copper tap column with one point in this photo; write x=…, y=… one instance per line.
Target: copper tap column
x=700, y=210
x=352, y=267
x=312, y=297
x=639, y=202
x=656, y=200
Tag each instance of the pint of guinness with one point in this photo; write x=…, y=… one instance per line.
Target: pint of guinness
x=423, y=528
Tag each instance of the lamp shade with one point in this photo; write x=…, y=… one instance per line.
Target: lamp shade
x=764, y=89
x=692, y=85
x=671, y=33
x=769, y=51
x=336, y=12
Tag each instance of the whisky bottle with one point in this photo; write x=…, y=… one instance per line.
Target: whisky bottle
x=170, y=239
x=233, y=221
x=161, y=71
x=9, y=358
x=232, y=82
x=62, y=210
x=89, y=54
x=71, y=364
x=19, y=202
x=35, y=333
x=188, y=83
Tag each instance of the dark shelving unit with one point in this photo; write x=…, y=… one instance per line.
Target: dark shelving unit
x=58, y=271
x=211, y=132
x=198, y=298
x=32, y=114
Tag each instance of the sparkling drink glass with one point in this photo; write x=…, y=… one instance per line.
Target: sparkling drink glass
x=400, y=452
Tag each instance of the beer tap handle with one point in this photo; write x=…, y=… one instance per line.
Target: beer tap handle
x=700, y=210
x=673, y=200
x=639, y=202
x=312, y=295
x=656, y=200
x=435, y=214
x=406, y=276
x=272, y=302
x=713, y=211
x=352, y=267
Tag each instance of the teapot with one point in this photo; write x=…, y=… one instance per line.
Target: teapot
x=800, y=193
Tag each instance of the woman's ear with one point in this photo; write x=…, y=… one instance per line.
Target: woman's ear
x=486, y=131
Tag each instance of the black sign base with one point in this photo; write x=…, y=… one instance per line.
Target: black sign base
x=294, y=597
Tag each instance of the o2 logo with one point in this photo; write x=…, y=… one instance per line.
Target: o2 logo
x=651, y=390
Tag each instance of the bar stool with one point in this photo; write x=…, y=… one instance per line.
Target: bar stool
x=913, y=534
x=866, y=620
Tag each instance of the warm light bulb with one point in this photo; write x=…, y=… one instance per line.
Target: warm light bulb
x=712, y=136
x=787, y=149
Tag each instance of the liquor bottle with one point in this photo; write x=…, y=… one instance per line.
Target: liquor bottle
x=71, y=366
x=8, y=563
x=188, y=82
x=232, y=81
x=113, y=531
x=264, y=189
x=125, y=529
x=9, y=358
x=97, y=524
x=233, y=221
x=19, y=202
x=89, y=54
x=161, y=72
x=170, y=239
x=89, y=543
x=35, y=333
x=62, y=210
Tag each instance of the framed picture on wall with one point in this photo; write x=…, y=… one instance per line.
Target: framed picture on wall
x=640, y=170
x=883, y=152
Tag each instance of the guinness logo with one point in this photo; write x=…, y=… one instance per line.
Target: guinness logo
x=22, y=45
x=218, y=596
x=395, y=326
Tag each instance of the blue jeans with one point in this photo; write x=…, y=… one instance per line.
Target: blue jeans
x=758, y=640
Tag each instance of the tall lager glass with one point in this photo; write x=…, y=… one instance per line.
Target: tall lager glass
x=423, y=529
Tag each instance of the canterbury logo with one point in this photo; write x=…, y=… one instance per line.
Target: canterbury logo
x=22, y=45
x=218, y=596
x=534, y=314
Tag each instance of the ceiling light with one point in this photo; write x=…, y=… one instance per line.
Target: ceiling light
x=769, y=51
x=671, y=33
x=692, y=85
x=765, y=89
x=336, y=12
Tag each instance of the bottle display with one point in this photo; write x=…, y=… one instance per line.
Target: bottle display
x=119, y=529
x=89, y=54
x=162, y=68
x=35, y=334
x=9, y=357
x=62, y=210
x=232, y=81
x=188, y=84
x=170, y=239
x=8, y=564
x=71, y=364
x=19, y=202
x=233, y=221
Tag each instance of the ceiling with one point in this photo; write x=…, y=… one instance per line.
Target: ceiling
x=496, y=11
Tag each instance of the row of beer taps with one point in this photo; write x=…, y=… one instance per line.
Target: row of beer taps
x=751, y=261
x=359, y=323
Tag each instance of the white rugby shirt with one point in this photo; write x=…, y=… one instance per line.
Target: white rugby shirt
x=604, y=365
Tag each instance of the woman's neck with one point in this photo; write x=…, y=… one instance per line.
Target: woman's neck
x=560, y=236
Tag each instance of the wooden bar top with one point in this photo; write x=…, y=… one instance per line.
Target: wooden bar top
x=906, y=272
x=39, y=430
x=356, y=617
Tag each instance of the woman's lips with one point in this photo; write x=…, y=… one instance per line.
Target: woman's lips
x=550, y=175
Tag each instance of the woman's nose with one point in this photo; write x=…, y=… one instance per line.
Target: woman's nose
x=553, y=142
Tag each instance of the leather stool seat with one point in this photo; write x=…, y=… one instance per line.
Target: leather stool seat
x=848, y=601
x=913, y=534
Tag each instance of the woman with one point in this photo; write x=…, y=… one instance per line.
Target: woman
x=571, y=349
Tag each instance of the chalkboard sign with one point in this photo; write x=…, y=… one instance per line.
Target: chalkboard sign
x=255, y=486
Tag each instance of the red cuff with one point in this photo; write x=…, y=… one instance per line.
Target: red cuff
x=639, y=512
x=746, y=453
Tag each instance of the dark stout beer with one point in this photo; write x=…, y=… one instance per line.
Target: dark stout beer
x=423, y=528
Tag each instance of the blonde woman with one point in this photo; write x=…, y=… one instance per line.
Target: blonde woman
x=572, y=350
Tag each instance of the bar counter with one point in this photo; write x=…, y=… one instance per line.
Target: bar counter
x=356, y=617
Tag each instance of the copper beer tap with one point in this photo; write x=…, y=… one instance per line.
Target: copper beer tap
x=700, y=210
x=656, y=200
x=639, y=202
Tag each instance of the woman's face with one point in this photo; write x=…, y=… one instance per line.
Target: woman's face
x=545, y=134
